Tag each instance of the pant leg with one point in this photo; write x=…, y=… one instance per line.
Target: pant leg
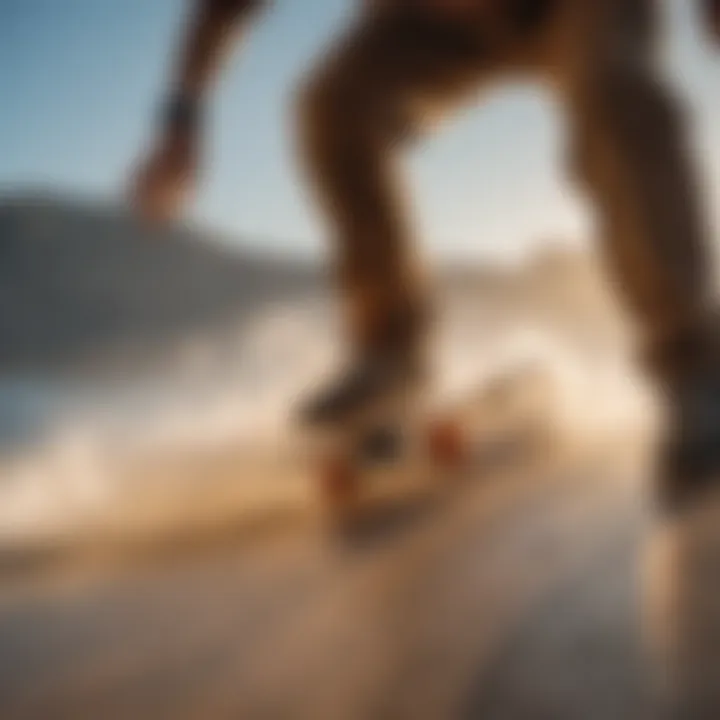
x=393, y=71
x=629, y=140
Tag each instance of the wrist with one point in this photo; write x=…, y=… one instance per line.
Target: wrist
x=181, y=113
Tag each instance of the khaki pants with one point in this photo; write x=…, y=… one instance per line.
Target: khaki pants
x=399, y=67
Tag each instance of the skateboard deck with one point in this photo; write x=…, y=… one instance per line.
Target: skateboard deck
x=422, y=444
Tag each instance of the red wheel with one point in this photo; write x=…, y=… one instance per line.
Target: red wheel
x=446, y=443
x=338, y=482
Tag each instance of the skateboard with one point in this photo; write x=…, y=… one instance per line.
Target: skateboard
x=419, y=441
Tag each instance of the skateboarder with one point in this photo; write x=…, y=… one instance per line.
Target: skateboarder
x=402, y=63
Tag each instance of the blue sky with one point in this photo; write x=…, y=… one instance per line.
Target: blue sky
x=79, y=80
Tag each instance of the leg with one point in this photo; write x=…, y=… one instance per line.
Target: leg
x=367, y=96
x=631, y=155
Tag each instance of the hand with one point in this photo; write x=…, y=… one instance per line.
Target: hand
x=167, y=178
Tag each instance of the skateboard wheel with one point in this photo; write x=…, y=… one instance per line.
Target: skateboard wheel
x=445, y=443
x=338, y=482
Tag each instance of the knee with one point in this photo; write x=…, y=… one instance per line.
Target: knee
x=317, y=108
x=623, y=111
x=341, y=108
x=330, y=109
x=633, y=102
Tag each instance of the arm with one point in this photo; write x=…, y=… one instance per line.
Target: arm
x=213, y=27
x=168, y=175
